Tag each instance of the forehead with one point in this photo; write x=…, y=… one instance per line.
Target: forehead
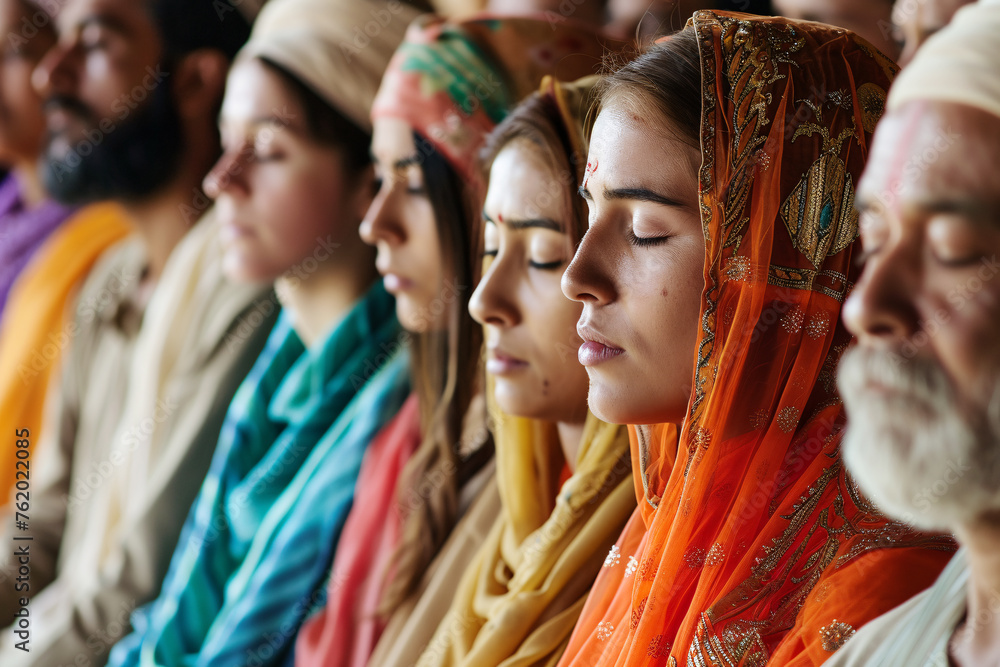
x=392, y=140
x=522, y=182
x=933, y=152
x=253, y=90
x=627, y=147
x=130, y=17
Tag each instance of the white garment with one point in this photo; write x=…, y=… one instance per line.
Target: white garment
x=917, y=632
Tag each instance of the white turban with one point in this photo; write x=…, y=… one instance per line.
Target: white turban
x=339, y=48
x=960, y=64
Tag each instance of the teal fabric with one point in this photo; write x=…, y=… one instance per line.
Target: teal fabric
x=260, y=538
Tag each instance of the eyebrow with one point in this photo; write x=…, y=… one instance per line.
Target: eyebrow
x=103, y=21
x=407, y=161
x=633, y=194
x=529, y=223
x=974, y=210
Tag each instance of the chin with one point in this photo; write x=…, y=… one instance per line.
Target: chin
x=516, y=403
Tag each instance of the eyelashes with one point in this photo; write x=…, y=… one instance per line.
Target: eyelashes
x=547, y=266
x=645, y=242
x=543, y=266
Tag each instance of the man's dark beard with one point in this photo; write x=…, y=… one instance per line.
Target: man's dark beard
x=138, y=156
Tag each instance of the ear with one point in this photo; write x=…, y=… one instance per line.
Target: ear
x=199, y=82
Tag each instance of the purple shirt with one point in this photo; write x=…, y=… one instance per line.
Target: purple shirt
x=22, y=232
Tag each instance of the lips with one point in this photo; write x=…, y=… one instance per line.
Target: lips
x=501, y=363
x=596, y=349
x=395, y=283
x=232, y=231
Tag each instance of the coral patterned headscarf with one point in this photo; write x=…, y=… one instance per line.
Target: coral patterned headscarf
x=454, y=81
x=751, y=545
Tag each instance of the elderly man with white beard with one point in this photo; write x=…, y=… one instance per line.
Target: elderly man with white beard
x=922, y=386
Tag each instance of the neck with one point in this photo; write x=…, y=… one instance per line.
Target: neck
x=977, y=639
x=317, y=301
x=32, y=192
x=161, y=224
x=570, y=436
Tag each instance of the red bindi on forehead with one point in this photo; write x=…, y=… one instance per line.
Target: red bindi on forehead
x=591, y=170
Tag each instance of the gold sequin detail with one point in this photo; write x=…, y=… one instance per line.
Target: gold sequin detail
x=760, y=418
x=694, y=556
x=871, y=99
x=702, y=438
x=788, y=419
x=835, y=635
x=738, y=268
x=792, y=321
x=818, y=326
x=715, y=555
x=604, y=630
x=632, y=566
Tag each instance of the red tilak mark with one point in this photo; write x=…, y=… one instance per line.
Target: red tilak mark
x=900, y=162
x=500, y=217
x=591, y=170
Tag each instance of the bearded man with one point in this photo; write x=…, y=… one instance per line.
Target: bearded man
x=922, y=387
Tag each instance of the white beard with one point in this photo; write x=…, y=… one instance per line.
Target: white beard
x=915, y=450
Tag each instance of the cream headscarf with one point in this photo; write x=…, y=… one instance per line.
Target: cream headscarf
x=960, y=64
x=339, y=48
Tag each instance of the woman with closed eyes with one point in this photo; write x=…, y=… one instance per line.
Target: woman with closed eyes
x=722, y=241
x=564, y=475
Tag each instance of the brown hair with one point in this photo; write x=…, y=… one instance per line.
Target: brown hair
x=665, y=79
x=537, y=121
x=445, y=372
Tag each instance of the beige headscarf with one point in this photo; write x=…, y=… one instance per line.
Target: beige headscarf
x=339, y=48
x=960, y=64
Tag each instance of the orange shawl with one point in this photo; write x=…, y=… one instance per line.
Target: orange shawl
x=754, y=546
x=35, y=330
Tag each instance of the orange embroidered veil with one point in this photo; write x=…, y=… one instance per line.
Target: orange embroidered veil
x=751, y=545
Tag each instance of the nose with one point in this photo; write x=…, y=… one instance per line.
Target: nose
x=54, y=73
x=492, y=302
x=227, y=174
x=587, y=279
x=382, y=222
x=881, y=307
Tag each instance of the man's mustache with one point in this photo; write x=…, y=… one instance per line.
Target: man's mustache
x=69, y=104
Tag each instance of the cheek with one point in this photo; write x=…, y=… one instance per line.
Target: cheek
x=297, y=215
x=962, y=330
x=554, y=319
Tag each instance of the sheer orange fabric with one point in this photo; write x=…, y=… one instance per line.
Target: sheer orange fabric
x=751, y=545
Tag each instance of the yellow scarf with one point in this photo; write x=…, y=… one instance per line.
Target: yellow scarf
x=519, y=599
x=35, y=330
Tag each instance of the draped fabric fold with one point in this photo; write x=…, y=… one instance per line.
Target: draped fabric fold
x=751, y=543
x=23, y=231
x=520, y=597
x=252, y=560
x=35, y=329
x=345, y=632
